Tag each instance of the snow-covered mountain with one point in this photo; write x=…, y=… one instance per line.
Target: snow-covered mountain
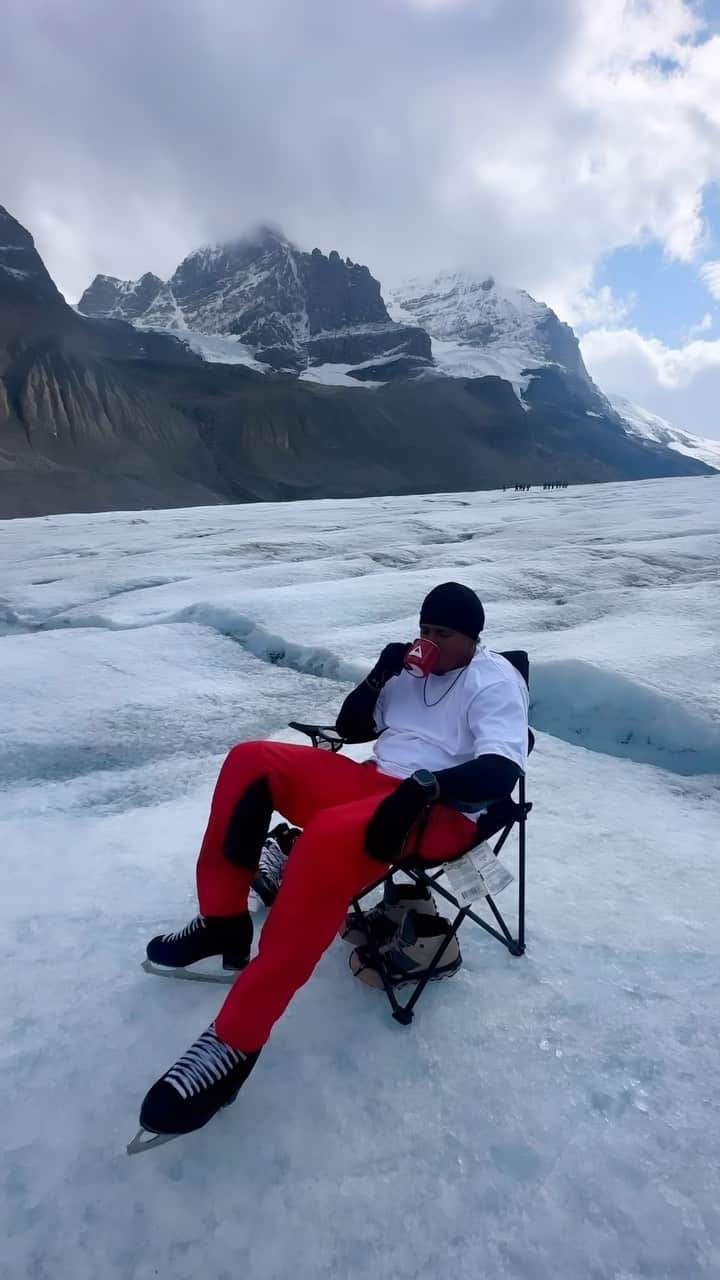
x=111, y=409
x=480, y=328
x=285, y=309
x=649, y=426
x=264, y=303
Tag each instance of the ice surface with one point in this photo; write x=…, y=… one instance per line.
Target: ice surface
x=546, y=1117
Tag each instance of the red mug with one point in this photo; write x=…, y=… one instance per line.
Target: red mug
x=421, y=657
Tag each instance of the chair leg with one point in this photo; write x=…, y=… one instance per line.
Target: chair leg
x=404, y=1013
x=521, y=870
x=399, y=1013
x=503, y=933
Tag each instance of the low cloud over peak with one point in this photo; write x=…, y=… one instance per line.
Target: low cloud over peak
x=409, y=134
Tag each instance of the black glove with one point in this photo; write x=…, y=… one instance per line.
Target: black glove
x=393, y=819
x=389, y=664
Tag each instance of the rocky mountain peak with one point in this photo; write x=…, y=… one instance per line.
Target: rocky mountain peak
x=14, y=235
x=455, y=304
x=473, y=313
x=120, y=299
x=290, y=308
x=34, y=316
x=23, y=275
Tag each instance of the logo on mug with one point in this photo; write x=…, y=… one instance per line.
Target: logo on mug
x=421, y=657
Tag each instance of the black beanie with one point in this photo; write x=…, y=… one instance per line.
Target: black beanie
x=454, y=606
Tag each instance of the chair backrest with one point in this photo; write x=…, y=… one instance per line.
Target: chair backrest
x=520, y=661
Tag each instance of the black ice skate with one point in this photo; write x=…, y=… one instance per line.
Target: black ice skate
x=171, y=955
x=273, y=860
x=201, y=1082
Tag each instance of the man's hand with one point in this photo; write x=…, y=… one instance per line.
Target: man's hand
x=389, y=664
x=393, y=819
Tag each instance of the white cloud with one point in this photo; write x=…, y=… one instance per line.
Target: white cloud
x=702, y=326
x=710, y=275
x=598, y=308
x=681, y=384
x=672, y=367
x=411, y=134
x=434, y=6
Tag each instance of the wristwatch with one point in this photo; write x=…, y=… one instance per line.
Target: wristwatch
x=429, y=783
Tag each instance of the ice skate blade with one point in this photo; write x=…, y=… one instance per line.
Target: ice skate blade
x=145, y=1141
x=224, y=976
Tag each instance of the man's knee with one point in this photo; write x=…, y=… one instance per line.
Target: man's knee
x=243, y=751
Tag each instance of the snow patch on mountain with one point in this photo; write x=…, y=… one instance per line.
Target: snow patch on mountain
x=13, y=271
x=641, y=422
x=471, y=308
x=461, y=360
x=216, y=348
x=340, y=375
x=481, y=329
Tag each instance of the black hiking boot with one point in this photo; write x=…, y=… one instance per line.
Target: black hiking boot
x=411, y=957
x=381, y=923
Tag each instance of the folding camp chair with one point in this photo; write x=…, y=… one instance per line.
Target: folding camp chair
x=498, y=820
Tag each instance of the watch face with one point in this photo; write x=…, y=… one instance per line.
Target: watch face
x=425, y=778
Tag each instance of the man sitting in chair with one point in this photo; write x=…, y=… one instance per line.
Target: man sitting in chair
x=454, y=740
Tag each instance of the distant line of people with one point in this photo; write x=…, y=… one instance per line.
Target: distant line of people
x=525, y=488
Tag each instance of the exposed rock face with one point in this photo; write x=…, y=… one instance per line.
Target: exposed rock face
x=289, y=308
x=121, y=299
x=353, y=345
x=22, y=270
x=33, y=313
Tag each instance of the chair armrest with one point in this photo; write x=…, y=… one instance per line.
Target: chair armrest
x=324, y=736
x=501, y=815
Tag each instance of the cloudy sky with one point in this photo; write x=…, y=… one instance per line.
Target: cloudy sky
x=571, y=147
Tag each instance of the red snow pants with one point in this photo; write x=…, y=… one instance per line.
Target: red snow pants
x=332, y=798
